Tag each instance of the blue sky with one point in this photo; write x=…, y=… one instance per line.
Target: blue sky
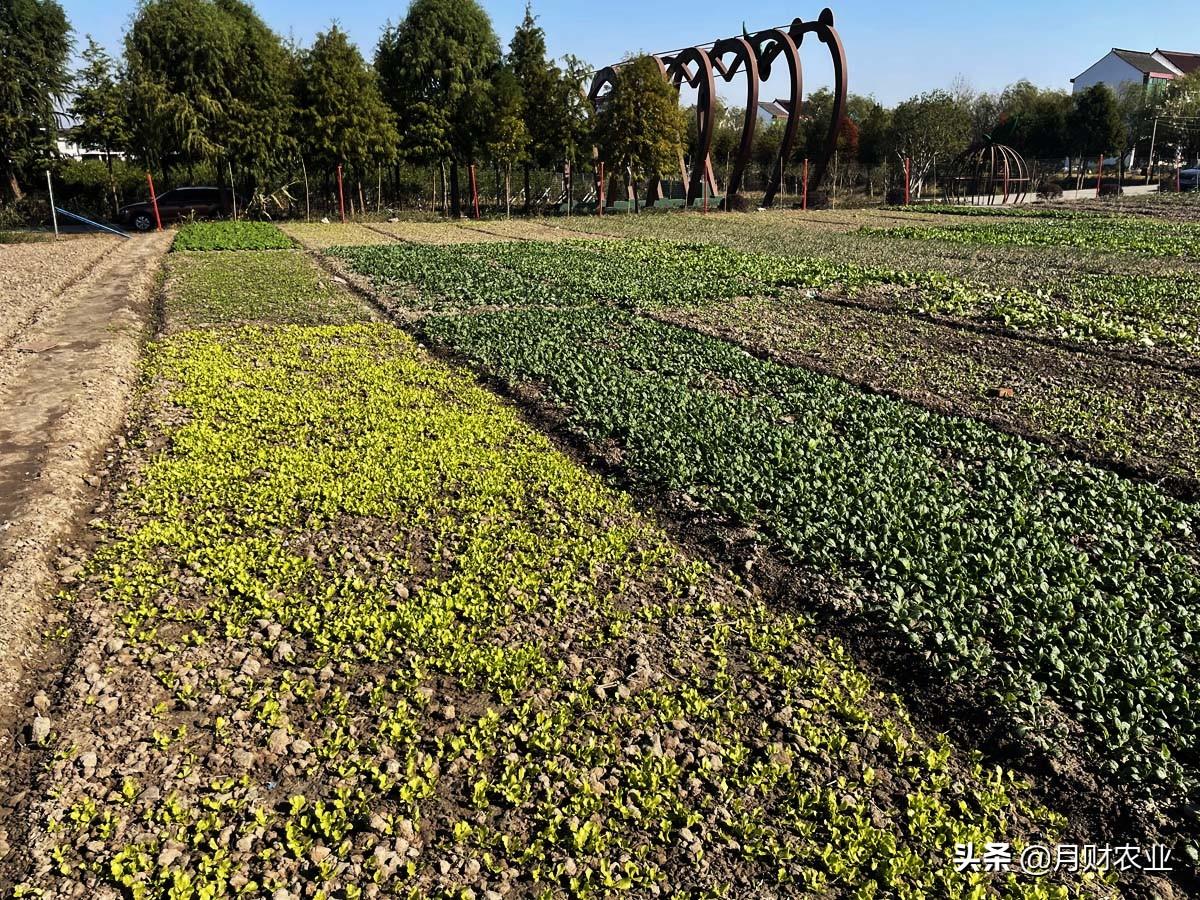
x=895, y=49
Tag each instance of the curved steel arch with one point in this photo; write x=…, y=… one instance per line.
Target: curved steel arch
x=744, y=59
x=770, y=45
x=826, y=34
x=754, y=54
x=693, y=67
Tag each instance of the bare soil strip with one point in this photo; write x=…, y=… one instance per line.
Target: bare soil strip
x=60, y=405
x=34, y=277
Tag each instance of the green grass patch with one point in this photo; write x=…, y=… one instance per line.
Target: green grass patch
x=1066, y=594
x=229, y=235
x=241, y=286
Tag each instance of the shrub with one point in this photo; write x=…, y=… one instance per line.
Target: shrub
x=1049, y=190
x=1111, y=189
x=895, y=196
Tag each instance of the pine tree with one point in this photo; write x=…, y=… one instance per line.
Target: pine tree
x=436, y=67
x=640, y=128
x=343, y=118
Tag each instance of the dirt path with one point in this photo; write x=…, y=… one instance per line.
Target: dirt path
x=65, y=380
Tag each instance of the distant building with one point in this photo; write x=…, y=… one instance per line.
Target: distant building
x=1120, y=68
x=771, y=111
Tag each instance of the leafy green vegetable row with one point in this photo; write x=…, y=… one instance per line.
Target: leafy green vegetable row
x=1150, y=310
x=229, y=235
x=637, y=272
x=1066, y=594
x=401, y=641
x=1044, y=211
x=1104, y=234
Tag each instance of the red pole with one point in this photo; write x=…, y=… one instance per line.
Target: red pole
x=907, y=180
x=1099, y=174
x=154, y=201
x=475, y=192
x=600, y=192
x=804, y=187
x=341, y=194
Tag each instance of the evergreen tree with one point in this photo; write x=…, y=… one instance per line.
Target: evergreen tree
x=436, y=69
x=207, y=81
x=343, y=118
x=1094, y=124
x=510, y=141
x=640, y=129
x=35, y=42
x=538, y=79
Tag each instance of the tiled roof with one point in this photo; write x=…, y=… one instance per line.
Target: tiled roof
x=1184, y=62
x=1143, y=62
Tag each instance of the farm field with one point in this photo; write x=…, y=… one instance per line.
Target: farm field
x=1110, y=411
x=1146, y=306
x=945, y=512
x=929, y=514
x=1096, y=233
x=352, y=623
x=33, y=273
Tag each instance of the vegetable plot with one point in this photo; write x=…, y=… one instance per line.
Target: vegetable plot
x=1098, y=233
x=226, y=235
x=206, y=289
x=1068, y=596
x=372, y=632
x=1143, y=309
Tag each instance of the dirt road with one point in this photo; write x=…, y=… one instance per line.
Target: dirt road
x=67, y=367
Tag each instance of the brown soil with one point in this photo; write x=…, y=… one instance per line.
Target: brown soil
x=64, y=387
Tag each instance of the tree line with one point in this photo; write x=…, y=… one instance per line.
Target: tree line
x=206, y=85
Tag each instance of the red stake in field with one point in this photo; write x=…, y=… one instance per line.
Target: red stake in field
x=154, y=201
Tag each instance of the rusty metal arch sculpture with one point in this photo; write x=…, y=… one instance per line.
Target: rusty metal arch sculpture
x=745, y=58
x=770, y=45
x=693, y=67
x=981, y=170
x=754, y=54
x=826, y=34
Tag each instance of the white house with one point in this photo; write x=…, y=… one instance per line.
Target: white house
x=1124, y=67
x=771, y=111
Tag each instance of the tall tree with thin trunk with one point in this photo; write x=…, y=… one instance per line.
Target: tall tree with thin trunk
x=99, y=109
x=343, y=118
x=35, y=43
x=640, y=129
x=538, y=78
x=509, y=143
x=437, y=66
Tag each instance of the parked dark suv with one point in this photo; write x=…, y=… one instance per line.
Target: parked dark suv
x=178, y=203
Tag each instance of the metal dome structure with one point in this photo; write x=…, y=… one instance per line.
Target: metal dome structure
x=986, y=174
